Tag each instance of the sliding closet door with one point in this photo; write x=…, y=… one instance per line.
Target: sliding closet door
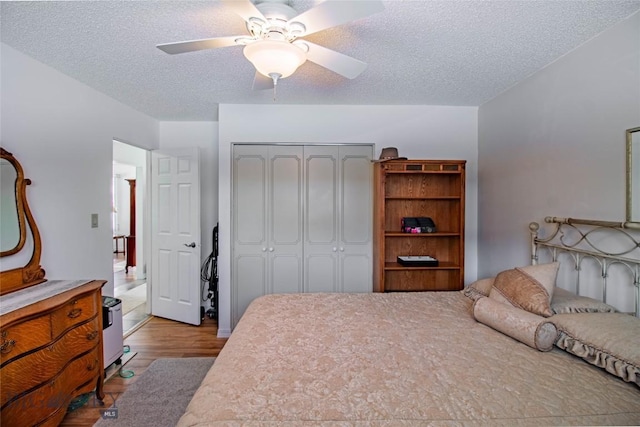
x=267, y=223
x=338, y=212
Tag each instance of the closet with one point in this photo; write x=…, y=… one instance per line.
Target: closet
x=301, y=220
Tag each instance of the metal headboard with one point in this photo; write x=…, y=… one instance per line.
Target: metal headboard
x=583, y=239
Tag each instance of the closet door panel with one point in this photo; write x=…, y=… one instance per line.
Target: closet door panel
x=355, y=235
x=321, y=195
x=356, y=273
x=321, y=273
x=285, y=196
x=321, y=216
x=250, y=277
x=355, y=196
x=286, y=273
x=250, y=245
x=285, y=219
x=250, y=196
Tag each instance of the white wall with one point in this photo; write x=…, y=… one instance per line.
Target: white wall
x=554, y=145
x=203, y=135
x=425, y=132
x=62, y=132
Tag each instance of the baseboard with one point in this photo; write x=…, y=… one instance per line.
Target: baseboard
x=224, y=333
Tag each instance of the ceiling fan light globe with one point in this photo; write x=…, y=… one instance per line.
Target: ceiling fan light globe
x=274, y=57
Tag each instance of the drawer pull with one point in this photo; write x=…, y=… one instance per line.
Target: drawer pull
x=92, y=335
x=92, y=366
x=74, y=313
x=7, y=346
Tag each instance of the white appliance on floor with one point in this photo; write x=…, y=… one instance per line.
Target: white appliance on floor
x=112, y=341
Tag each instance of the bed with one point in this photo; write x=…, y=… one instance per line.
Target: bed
x=423, y=358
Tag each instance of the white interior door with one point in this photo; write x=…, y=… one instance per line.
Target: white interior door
x=175, y=235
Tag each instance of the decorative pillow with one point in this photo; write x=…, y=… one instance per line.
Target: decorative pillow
x=479, y=288
x=610, y=341
x=564, y=302
x=529, y=288
x=531, y=329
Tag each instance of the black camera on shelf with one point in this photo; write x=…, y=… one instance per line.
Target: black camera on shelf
x=418, y=225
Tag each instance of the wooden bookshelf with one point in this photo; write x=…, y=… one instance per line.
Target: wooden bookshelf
x=419, y=188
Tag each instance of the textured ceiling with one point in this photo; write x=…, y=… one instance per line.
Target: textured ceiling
x=418, y=52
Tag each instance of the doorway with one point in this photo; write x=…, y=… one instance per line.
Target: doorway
x=128, y=224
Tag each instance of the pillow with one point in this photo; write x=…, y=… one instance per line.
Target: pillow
x=533, y=330
x=479, y=288
x=529, y=288
x=607, y=340
x=564, y=302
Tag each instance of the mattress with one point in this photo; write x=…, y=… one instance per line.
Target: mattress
x=396, y=359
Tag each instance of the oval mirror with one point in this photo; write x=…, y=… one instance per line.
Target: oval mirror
x=10, y=241
x=15, y=220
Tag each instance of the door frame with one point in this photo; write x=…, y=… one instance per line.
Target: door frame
x=142, y=197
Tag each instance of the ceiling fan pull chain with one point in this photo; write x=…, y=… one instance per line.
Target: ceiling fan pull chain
x=275, y=77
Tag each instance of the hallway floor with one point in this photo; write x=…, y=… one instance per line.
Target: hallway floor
x=133, y=294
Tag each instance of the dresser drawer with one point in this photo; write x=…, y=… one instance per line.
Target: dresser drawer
x=23, y=337
x=54, y=395
x=74, y=312
x=46, y=363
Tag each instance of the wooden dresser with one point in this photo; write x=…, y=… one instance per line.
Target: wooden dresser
x=50, y=350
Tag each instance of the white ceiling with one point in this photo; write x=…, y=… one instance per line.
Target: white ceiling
x=418, y=51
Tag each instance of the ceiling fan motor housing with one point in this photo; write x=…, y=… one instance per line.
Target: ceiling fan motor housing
x=277, y=27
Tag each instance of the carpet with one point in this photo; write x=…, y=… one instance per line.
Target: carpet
x=159, y=396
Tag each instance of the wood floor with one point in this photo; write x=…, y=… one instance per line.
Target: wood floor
x=159, y=338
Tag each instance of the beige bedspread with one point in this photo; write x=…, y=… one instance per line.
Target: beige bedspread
x=396, y=359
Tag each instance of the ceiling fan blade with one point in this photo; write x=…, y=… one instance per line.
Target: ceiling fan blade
x=245, y=8
x=335, y=61
x=194, y=45
x=262, y=82
x=332, y=13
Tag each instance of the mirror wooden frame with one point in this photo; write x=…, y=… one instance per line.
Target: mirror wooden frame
x=32, y=273
x=631, y=167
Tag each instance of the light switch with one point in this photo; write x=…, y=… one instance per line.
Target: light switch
x=94, y=220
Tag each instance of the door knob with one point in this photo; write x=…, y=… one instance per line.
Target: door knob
x=190, y=245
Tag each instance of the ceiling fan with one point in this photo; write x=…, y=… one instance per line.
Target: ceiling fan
x=274, y=44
